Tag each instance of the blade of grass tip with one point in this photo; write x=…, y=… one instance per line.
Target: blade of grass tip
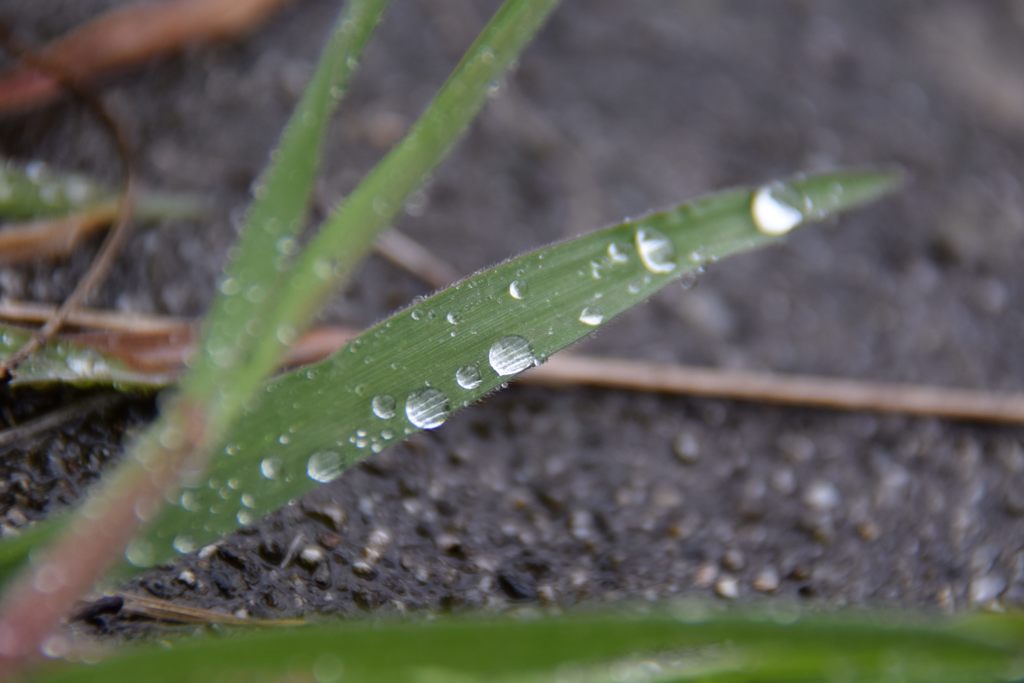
x=412, y=370
x=33, y=604
x=348, y=233
x=853, y=648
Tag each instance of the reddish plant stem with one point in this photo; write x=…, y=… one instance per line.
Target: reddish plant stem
x=37, y=601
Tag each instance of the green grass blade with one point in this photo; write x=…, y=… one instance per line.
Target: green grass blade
x=410, y=371
x=712, y=647
x=347, y=234
x=63, y=362
x=281, y=195
x=34, y=191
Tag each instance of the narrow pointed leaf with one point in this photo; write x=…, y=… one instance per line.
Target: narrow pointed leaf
x=689, y=644
x=415, y=368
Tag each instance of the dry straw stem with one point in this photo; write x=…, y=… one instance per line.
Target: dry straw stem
x=125, y=36
x=161, y=345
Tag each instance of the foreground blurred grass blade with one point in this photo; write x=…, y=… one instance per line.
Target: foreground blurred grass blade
x=662, y=646
x=281, y=195
x=412, y=370
x=346, y=236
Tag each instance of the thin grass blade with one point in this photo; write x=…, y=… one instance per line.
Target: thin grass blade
x=689, y=644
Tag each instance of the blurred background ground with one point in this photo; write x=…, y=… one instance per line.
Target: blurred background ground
x=580, y=495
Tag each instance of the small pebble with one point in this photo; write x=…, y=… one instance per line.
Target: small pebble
x=821, y=495
x=727, y=587
x=733, y=560
x=705, y=575
x=187, y=577
x=985, y=589
x=311, y=556
x=687, y=448
x=767, y=580
x=363, y=568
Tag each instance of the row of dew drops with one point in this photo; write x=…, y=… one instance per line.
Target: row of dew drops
x=428, y=408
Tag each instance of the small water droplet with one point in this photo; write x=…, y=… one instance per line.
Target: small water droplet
x=324, y=466
x=230, y=286
x=657, y=252
x=183, y=544
x=427, y=408
x=322, y=268
x=286, y=334
x=383, y=406
x=284, y=439
x=511, y=355
x=286, y=246
x=591, y=316
x=774, y=210
x=452, y=318
x=247, y=500
x=416, y=315
x=468, y=377
x=618, y=253
x=517, y=289
x=270, y=468
x=139, y=553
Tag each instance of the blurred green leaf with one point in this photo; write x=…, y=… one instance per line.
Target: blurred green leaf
x=688, y=643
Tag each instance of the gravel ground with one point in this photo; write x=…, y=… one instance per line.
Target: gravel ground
x=566, y=496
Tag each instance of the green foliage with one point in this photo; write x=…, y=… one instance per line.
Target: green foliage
x=686, y=644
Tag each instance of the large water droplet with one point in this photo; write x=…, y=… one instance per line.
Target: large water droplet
x=656, y=250
x=468, y=377
x=511, y=355
x=774, y=211
x=427, y=408
x=517, y=289
x=591, y=316
x=324, y=466
x=383, y=406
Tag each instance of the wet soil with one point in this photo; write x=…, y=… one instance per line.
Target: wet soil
x=542, y=496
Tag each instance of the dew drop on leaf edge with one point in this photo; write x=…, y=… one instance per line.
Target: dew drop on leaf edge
x=468, y=377
x=427, y=408
x=511, y=355
x=772, y=214
x=324, y=466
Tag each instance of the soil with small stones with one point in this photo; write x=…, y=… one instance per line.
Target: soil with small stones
x=562, y=497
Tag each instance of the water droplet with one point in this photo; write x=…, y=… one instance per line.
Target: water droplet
x=139, y=553
x=286, y=246
x=517, y=289
x=427, y=408
x=617, y=253
x=322, y=268
x=637, y=285
x=511, y=355
x=286, y=334
x=270, y=468
x=416, y=315
x=468, y=377
x=188, y=501
x=284, y=439
x=247, y=500
x=774, y=210
x=452, y=318
x=591, y=316
x=230, y=286
x=383, y=406
x=657, y=252
x=183, y=544
x=324, y=466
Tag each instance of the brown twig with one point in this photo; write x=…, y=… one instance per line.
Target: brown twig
x=52, y=237
x=147, y=351
x=794, y=390
x=125, y=36
x=164, y=610
x=53, y=419
x=115, y=238
x=113, y=321
x=409, y=254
